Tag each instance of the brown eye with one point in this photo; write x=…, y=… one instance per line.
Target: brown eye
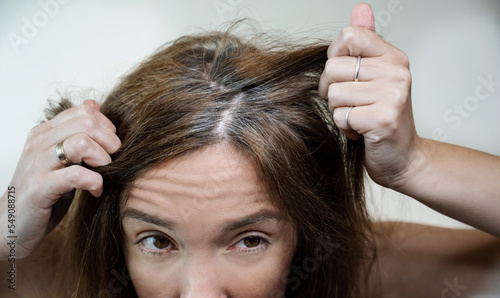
x=156, y=242
x=251, y=241
x=161, y=242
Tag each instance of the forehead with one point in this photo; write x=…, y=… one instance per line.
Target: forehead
x=220, y=180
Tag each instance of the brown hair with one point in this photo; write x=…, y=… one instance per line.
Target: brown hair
x=261, y=96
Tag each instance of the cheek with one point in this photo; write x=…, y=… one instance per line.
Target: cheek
x=152, y=279
x=264, y=279
x=261, y=277
x=259, y=281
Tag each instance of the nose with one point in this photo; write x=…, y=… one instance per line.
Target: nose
x=202, y=278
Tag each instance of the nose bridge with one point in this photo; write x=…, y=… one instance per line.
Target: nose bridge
x=200, y=277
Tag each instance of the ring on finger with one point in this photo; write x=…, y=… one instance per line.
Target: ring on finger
x=62, y=157
x=356, y=73
x=347, y=118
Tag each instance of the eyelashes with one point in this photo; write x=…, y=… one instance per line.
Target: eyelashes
x=252, y=243
x=156, y=242
x=158, y=245
x=155, y=245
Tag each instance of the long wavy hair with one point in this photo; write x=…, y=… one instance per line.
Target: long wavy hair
x=259, y=94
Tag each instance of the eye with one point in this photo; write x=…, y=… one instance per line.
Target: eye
x=252, y=244
x=251, y=241
x=155, y=244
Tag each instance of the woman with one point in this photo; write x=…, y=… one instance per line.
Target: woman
x=227, y=176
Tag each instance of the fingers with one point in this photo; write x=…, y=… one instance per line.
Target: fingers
x=375, y=105
x=380, y=120
x=87, y=135
x=75, y=177
x=337, y=80
x=383, y=79
x=357, y=41
x=343, y=69
x=80, y=147
x=362, y=16
x=352, y=94
x=93, y=104
x=340, y=119
x=43, y=180
x=105, y=137
x=88, y=110
x=83, y=129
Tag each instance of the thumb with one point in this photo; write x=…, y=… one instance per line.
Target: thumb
x=92, y=103
x=362, y=16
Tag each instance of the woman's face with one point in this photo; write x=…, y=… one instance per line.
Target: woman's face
x=202, y=225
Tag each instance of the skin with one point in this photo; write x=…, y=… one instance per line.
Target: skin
x=381, y=99
x=467, y=190
x=188, y=228
x=415, y=261
x=41, y=180
x=459, y=182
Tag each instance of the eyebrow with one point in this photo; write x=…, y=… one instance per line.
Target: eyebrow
x=142, y=216
x=231, y=226
x=249, y=220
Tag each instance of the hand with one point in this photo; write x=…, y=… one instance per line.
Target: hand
x=381, y=99
x=42, y=182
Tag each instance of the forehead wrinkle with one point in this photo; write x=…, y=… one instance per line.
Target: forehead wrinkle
x=176, y=202
x=221, y=181
x=197, y=189
x=166, y=182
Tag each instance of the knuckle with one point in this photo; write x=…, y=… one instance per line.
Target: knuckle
x=34, y=136
x=95, y=182
x=403, y=58
x=116, y=145
x=348, y=37
x=402, y=74
x=75, y=174
x=84, y=145
x=348, y=33
x=82, y=178
x=406, y=76
x=377, y=138
x=329, y=65
x=399, y=96
x=337, y=118
x=35, y=131
x=84, y=110
x=354, y=37
x=389, y=119
x=88, y=124
x=334, y=93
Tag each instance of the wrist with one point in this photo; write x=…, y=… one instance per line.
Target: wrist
x=419, y=158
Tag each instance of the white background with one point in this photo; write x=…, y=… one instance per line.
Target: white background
x=77, y=45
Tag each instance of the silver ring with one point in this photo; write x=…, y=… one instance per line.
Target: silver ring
x=62, y=157
x=356, y=74
x=347, y=118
